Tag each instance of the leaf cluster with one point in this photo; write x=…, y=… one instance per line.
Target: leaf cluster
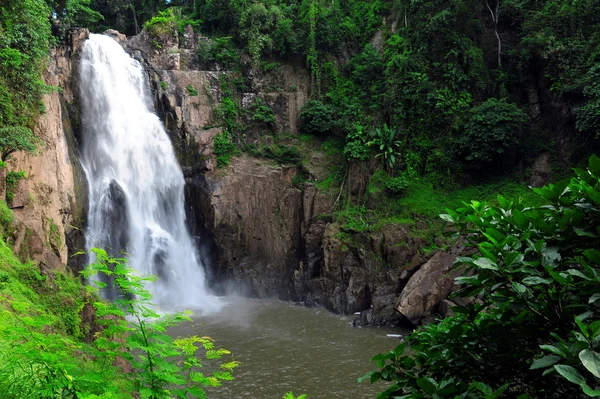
x=531, y=328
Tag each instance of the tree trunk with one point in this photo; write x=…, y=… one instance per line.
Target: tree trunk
x=495, y=15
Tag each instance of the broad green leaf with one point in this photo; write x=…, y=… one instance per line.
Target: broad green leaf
x=544, y=362
x=447, y=218
x=428, y=385
x=574, y=272
x=593, y=255
x=366, y=376
x=594, y=393
x=570, y=373
x=512, y=258
x=591, y=361
x=535, y=281
x=594, y=298
x=485, y=263
x=554, y=350
x=594, y=165
x=520, y=288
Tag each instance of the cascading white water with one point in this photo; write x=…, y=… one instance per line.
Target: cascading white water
x=136, y=201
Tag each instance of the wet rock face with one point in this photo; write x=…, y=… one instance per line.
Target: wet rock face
x=49, y=202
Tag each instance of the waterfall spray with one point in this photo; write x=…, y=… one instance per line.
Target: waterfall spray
x=136, y=201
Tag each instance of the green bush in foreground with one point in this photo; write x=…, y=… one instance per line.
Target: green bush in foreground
x=536, y=330
x=153, y=354
x=40, y=358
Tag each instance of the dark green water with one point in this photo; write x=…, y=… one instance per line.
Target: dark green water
x=284, y=347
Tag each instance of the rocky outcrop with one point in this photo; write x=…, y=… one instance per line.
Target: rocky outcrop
x=429, y=286
x=254, y=214
x=48, y=203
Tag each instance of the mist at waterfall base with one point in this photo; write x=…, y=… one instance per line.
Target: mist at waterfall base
x=135, y=185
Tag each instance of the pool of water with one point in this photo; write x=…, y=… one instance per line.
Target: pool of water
x=284, y=347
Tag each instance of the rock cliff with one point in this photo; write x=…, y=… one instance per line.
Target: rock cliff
x=48, y=204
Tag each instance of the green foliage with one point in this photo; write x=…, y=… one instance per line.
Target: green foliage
x=290, y=395
x=25, y=39
x=536, y=275
x=6, y=219
x=262, y=113
x=316, y=118
x=357, y=144
x=354, y=219
x=220, y=50
x=163, y=84
x=256, y=24
x=223, y=148
x=154, y=355
x=191, y=90
x=283, y=154
x=12, y=180
x=492, y=130
x=588, y=114
x=386, y=144
x=74, y=13
x=162, y=24
x=396, y=185
x=17, y=138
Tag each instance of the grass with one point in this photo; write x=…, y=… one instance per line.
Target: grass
x=423, y=199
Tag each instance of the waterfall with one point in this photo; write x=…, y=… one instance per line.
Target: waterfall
x=136, y=200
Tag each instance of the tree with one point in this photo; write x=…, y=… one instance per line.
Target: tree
x=491, y=130
x=495, y=15
x=17, y=138
x=316, y=118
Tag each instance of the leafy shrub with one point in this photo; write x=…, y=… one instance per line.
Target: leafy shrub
x=357, y=144
x=12, y=180
x=220, y=50
x=24, y=44
x=316, y=118
x=17, y=138
x=354, y=219
x=396, y=185
x=191, y=90
x=6, y=219
x=154, y=355
x=163, y=84
x=223, y=148
x=4, y=277
x=588, y=114
x=161, y=24
x=491, y=130
x=283, y=154
x=386, y=144
x=535, y=329
x=262, y=113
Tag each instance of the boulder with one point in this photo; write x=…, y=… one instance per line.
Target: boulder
x=430, y=285
x=541, y=171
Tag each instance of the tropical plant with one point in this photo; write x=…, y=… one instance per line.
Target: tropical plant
x=534, y=330
x=386, y=143
x=153, y=354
